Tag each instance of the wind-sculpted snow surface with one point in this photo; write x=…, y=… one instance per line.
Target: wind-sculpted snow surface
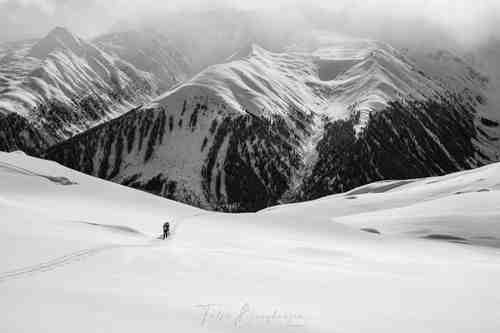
x=266, y=127
x=61, y=85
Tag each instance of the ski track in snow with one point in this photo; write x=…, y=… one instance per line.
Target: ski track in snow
x=77, y=256
x=70, y=258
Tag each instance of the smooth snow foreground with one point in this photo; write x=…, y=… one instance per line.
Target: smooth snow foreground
x=80, y=255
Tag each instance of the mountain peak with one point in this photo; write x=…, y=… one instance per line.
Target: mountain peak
x=60, y=31
x=251, y=49
x=57, y=38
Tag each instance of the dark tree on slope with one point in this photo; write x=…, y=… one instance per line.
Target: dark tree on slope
x=257, y=165
x=17, y=133
x=414, y=139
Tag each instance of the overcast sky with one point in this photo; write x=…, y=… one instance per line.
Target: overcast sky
x=466, y=20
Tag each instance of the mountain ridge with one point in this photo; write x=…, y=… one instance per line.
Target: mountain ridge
x=62, y=85
x=267, y=127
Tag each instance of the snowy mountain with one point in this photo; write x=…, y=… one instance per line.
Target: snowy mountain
x=267, y=127
x=213, y=141
x=61, y=85
x=150, y=52
x=295, y=268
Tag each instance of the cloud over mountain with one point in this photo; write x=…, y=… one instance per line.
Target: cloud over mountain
x=464, y=21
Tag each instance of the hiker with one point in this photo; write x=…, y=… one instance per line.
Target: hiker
x=166, y=230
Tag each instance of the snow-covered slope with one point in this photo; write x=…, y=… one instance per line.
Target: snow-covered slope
x=79, y=254
x=462, y=206
x=438, y=115
x=61, y=85
x=214, y=140
x=150, y=52
x=40, y=184
x=479, y=84
x=265, y=127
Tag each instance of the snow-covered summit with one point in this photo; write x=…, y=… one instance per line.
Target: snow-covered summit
x=362, y=75
x=261, y=82
x=58, y=39
x=62, y=85
x=249, y=50
x=150, y=52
